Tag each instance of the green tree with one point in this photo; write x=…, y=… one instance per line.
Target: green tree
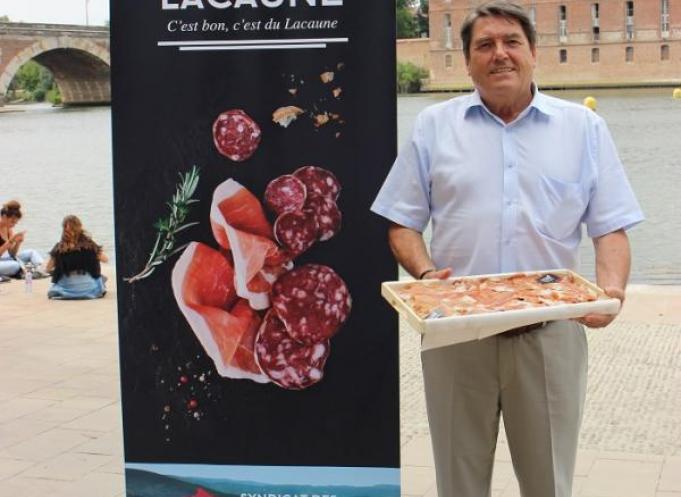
x=4, y=19
x=406, y=23
x=36, y=82
x=422, y=18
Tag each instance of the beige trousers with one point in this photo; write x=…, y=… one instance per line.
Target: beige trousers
x=537, y=381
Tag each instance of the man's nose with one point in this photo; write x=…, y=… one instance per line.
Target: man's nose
x=500, y=50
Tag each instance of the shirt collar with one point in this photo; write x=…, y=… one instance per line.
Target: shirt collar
x=539, y=102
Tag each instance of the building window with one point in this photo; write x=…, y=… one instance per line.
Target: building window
x=664, y=52
x=562, y=22
x=629, y=54
x=448, y=31
x=595, y=21
x=629, y=20
x=595, y=55
x=562, y=56
x=664, y=17
x=448, y=61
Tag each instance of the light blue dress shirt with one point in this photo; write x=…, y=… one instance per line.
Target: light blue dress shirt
x=508, y=197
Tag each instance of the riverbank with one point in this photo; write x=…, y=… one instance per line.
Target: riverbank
x=61, y=435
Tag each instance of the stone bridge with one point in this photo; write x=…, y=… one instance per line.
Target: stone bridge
x=78, y=57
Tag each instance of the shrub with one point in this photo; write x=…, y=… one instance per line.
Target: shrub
x=409, y=77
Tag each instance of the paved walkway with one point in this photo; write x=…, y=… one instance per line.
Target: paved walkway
x=60, y=430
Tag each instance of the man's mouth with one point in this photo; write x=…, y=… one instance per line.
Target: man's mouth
x=500, y=70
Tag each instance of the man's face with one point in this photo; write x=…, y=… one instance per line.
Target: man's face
x=501, y=61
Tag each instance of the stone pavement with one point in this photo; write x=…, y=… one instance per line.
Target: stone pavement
x=60, y=429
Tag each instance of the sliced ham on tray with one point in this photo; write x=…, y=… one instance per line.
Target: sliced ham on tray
x=239, y=224
x=224, y=324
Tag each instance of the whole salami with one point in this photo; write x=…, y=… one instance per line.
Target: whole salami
x=319, y=181
x=236, y=135
x=287, y=363
x=312, y=301
x=296, y=232
x=285, y=194
x=326, y=215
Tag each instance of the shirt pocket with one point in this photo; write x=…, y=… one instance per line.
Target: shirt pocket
x=561, y=207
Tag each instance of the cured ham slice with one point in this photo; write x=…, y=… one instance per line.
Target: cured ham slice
x=225, y=325
x=434, y=298
x=239, y=224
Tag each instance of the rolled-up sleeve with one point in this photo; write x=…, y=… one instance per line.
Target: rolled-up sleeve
x=404, y=197
x=612, y=205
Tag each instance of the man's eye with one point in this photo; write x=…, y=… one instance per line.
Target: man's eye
x=513, y=43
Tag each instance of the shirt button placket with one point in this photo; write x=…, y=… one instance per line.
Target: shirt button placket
x=507, y=256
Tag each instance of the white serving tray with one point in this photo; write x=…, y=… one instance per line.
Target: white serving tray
x=449, y=330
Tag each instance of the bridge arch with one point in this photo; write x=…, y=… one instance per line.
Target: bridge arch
x=81, y=68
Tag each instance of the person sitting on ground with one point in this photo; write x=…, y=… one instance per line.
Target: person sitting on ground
x=12, y=258
x=75, y=264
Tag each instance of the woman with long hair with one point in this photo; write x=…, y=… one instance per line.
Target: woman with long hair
x=12, y=258
x=75, y=264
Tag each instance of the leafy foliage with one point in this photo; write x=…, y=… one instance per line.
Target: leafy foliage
x=36, y=83
x=4, y=19
x=411, y=18
x=409, y=77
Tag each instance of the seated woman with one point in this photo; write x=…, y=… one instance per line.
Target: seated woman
x=75, y=264
x=11, y=256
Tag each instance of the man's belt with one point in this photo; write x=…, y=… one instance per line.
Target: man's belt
x=521, y=330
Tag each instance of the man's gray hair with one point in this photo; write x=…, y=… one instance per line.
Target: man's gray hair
x=496, y=8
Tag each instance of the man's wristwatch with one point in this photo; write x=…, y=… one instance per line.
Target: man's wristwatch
x=426, y=272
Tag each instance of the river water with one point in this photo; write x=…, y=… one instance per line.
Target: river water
x=58, y=162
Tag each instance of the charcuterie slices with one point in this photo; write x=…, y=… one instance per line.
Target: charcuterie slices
x=224, y=324
x=435, y=298
x=236, y=135
x=256, y=316
x=312, y=301
x=288, y=363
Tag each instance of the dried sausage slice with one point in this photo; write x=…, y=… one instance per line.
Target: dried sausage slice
x=288, y=363
x=319, y=181
x=312, y=301
x=285, y=194
x=296, y=232
x=236, y=135
x=326, y=215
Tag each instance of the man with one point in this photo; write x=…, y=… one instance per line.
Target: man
x=507, y=176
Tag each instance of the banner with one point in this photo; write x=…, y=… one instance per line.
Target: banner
x=250, y=138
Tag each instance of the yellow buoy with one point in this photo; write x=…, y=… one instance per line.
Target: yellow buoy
x=676, y=93
x=590, y=102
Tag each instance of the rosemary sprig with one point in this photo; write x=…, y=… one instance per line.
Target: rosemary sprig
x=169, y=227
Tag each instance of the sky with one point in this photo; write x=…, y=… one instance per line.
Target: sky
x=56, y=11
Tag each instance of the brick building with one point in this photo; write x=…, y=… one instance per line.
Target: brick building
x=581, y=43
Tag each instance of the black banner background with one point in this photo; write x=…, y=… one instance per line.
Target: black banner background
x=164, y=105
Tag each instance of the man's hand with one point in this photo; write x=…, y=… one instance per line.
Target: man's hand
x=18, y=237
x=602, y=320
